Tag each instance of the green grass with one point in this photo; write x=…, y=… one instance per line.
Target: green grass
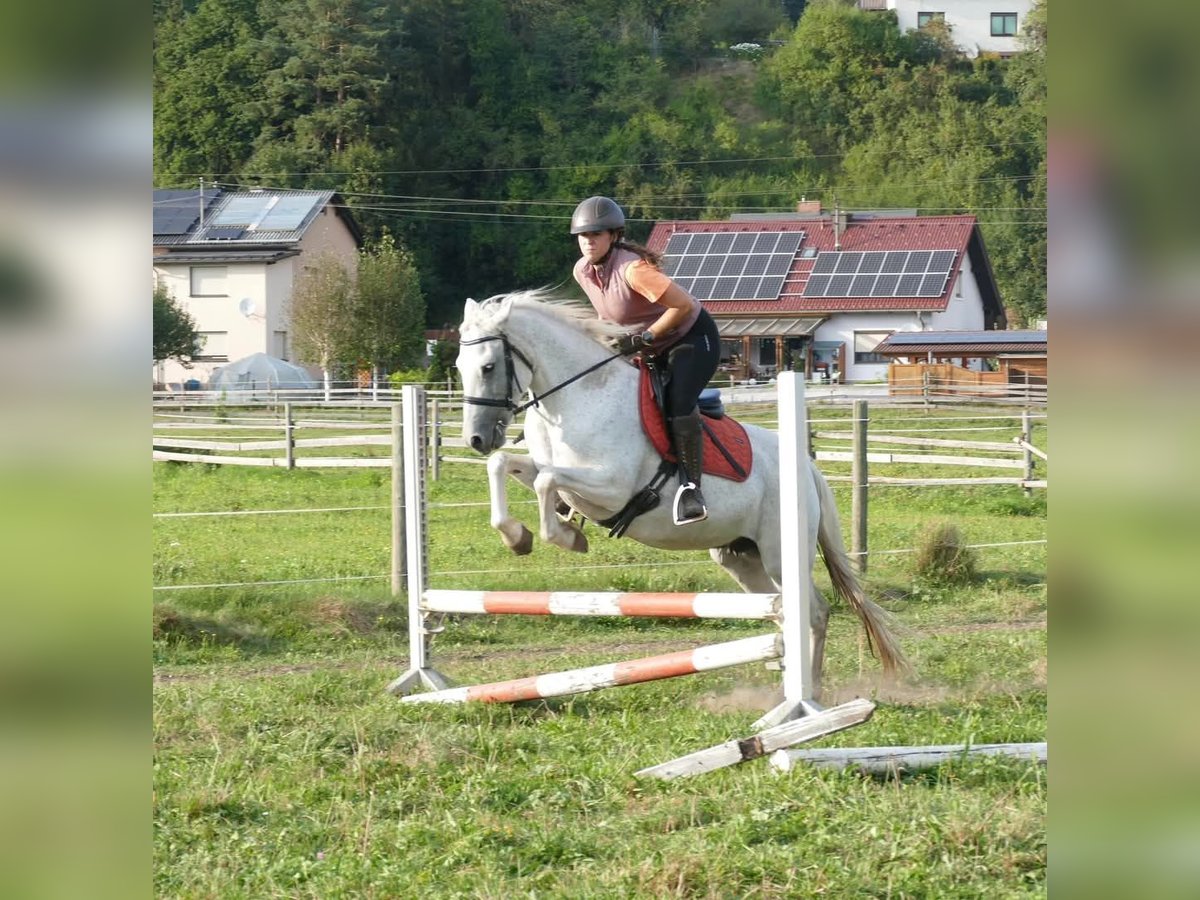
x=283, y=769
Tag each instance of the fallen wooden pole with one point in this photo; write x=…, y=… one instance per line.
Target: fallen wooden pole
x=887, y=760
x=777, y=737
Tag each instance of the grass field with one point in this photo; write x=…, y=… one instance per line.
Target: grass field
x=283, y=769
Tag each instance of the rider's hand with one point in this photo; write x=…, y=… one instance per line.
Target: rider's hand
x=629, y=344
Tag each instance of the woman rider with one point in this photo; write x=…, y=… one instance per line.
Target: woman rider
x=624, y=284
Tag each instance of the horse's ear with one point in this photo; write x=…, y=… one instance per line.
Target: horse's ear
x=470, y=308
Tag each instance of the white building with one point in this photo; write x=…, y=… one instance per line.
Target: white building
x=231, y=259
x=977, y=26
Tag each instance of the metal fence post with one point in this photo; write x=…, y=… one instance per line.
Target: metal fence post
x=289, y=436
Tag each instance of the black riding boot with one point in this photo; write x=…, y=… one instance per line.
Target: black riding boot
x=689, y=443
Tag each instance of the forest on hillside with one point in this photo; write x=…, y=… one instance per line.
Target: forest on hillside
x=469, y=129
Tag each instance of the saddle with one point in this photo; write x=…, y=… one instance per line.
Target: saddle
x=727, y=450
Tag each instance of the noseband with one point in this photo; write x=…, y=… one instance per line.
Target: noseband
x=510, y=376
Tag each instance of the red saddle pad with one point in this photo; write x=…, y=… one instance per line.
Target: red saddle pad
x=730, y=433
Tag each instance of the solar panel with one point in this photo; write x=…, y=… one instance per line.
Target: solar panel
x=724, y=289
x=732, y=266
x=743, y=243
x=677, y=244
x=769, y=289
x=289, y=212
x=778, y=264
x=932, y=285
x=861, y=286
x=901, y=273
x=825, y=264
x=917, y=261
x=243, y=210
x=756, y=265
x=817, y=286
x=847, y=263
x=685, y=283
x=885, y=286
x=747, y=287
x=839, y=285
x=721, y=242
x=871, y=263
x=789, y=242
x=942, y=260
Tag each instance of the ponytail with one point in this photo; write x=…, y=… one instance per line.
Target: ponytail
x=648, y=255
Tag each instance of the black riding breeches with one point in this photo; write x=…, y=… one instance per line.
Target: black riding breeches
x=691, y=370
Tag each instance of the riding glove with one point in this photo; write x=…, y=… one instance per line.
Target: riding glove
x=629, y=344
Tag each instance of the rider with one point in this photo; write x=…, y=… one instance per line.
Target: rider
x=624, y=284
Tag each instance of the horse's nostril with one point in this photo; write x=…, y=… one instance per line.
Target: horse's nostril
x=476, y=443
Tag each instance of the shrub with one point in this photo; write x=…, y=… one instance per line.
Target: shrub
x=943, y=558
x=407, y=376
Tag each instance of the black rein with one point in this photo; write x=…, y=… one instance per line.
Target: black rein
x=511, y=379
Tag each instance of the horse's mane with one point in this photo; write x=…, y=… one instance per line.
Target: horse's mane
x=575, y=313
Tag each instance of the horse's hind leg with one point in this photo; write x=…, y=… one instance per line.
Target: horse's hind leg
x=771, y=560
x=741, y=560
x=516, y=536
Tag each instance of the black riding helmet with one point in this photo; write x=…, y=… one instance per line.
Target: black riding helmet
x=597, y=214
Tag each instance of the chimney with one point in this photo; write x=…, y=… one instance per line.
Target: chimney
x=840, y=218
x=809, y=207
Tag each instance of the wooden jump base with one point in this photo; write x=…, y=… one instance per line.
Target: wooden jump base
x=894, y=760
x=579, y=681
x=565, y=603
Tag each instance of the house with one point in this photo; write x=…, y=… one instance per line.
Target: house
x=977, y=26
x=817, y=292
x=231, y=258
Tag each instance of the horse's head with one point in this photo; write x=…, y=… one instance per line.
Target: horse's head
x=487, y=365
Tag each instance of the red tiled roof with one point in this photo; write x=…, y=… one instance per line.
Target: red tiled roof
x=884, y=233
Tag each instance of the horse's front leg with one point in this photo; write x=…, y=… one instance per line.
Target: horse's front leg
x=516, y=536
x=598, y=486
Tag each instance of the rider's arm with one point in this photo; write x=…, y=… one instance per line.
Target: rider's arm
x=653, y=284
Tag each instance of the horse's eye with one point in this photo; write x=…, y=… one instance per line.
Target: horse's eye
x=489, y=368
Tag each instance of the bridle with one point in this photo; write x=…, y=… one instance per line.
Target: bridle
x=510, y=377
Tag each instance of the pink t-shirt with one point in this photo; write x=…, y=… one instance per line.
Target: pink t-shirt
x=625, y=290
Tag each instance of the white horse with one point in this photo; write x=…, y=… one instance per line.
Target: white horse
x=587, y=448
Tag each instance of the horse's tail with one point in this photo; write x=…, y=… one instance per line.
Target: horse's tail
x=875, y=619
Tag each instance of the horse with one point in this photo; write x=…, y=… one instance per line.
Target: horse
x=587, y=449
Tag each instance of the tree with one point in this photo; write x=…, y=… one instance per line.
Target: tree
x=322, y=314
x=175, y=335
x=389, y=308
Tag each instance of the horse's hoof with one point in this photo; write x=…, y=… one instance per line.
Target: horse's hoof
x=524, y=544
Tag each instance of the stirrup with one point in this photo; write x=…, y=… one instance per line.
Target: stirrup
x=681, y=495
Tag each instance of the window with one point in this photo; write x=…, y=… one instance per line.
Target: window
x=1004, y=24
x=865, y=343
x=280, y=348
x=214, y=346
x=209, y=281
x=924, y=18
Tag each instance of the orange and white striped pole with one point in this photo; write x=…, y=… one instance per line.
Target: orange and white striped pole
x=570, y=603
x=635, y=671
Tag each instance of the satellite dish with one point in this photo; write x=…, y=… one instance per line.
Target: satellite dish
x=246, y=307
